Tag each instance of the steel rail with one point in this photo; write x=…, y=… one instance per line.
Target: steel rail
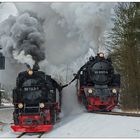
x=40, y=135
x=24, y=133
x=21, y=135
x=119, y=114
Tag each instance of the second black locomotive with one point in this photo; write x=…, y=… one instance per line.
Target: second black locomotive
x=97, y=84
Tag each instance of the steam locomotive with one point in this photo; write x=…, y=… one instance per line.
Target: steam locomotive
x=97, y=84
x=37, y=101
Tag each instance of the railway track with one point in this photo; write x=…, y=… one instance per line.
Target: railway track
x=39, y=135
x=119, y=114
x=21, y=135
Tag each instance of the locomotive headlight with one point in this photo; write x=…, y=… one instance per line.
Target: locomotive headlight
x=30, y=72
x=114, y=90
x=101, y=54
x=20, y=105
x=90, y=90
x=41, y=105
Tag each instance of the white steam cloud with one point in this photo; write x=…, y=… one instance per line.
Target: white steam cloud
x=71, y=28
x=63, y=35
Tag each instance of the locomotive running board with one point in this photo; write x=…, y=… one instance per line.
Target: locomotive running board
x=39, y=128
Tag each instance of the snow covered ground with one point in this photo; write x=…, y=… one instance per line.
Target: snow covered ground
x=93, y=125
x=83, y=125
x=6, y=115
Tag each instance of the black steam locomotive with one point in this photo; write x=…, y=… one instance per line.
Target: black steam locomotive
x=97, y=84
x=37, y=101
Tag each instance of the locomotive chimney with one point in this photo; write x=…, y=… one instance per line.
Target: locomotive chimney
x=36, y=66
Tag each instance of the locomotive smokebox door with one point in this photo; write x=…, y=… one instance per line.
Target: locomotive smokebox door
x=2, y=62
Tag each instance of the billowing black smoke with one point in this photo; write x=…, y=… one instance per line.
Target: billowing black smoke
x=22, y=38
